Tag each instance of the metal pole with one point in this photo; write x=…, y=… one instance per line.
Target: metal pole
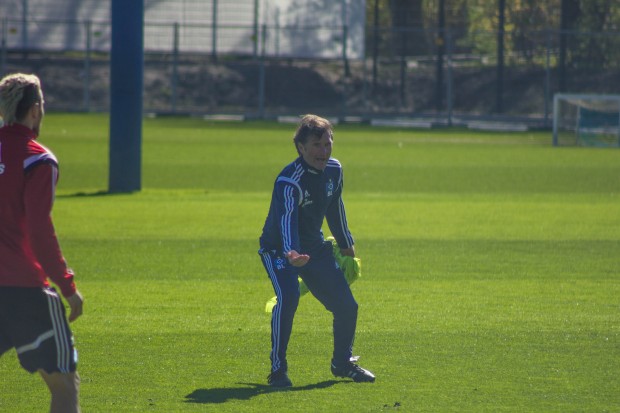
x=555, y=120
x=175, y=65
x=499, y=91
x=345, y=60
x=441, y=47
x=126, y=87
x=618, y=123
x=403, y=64
x=449, y=80
x=365, y=83
x=277, y=33
x=578, y=126
x=347, y=72
x=214, y=31
x=261, y=75
x=547, y=75
x=345, y=35
x=86, y=102
x=255, y=29
x=564, y=25
x=375, y=46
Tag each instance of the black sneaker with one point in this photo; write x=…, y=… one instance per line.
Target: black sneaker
x=353, y=371
x=279, y=378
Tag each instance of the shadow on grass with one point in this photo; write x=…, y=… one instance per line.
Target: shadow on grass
x=222, y=395
x=91, y=194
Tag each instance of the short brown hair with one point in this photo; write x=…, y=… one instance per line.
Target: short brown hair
x=311, y=125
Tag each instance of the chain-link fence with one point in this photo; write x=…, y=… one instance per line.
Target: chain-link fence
x=451, y=77
x=458, y=75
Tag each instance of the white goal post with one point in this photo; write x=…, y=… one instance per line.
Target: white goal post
x=586, y=120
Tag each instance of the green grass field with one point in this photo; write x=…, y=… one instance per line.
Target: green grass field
x=491, y=273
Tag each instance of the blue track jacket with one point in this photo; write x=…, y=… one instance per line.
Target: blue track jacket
x=302, y=197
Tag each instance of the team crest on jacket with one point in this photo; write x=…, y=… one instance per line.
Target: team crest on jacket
x=329, y=187
x=307, y=199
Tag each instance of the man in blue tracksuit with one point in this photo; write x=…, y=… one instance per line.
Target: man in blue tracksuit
x=306, y=192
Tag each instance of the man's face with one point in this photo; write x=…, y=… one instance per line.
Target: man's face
x=316, y=151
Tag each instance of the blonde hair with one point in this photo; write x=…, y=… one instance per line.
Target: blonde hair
x=18, y=93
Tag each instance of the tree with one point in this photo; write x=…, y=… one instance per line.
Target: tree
x=408, y=21
x=569, y=16
x=592, y=49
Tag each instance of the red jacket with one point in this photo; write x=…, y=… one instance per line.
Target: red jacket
x=29, y=250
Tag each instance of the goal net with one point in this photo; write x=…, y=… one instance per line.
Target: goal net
x=586, y=120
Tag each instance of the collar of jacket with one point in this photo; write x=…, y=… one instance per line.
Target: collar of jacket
x=21, y=130
x=309, y=168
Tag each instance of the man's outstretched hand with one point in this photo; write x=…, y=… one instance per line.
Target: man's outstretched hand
x=296, y=259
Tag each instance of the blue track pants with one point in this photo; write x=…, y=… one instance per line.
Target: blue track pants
x=326, y=282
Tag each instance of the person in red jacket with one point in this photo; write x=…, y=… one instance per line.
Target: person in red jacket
x=32, y=314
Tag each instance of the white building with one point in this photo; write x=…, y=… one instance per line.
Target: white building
x=290, y=28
